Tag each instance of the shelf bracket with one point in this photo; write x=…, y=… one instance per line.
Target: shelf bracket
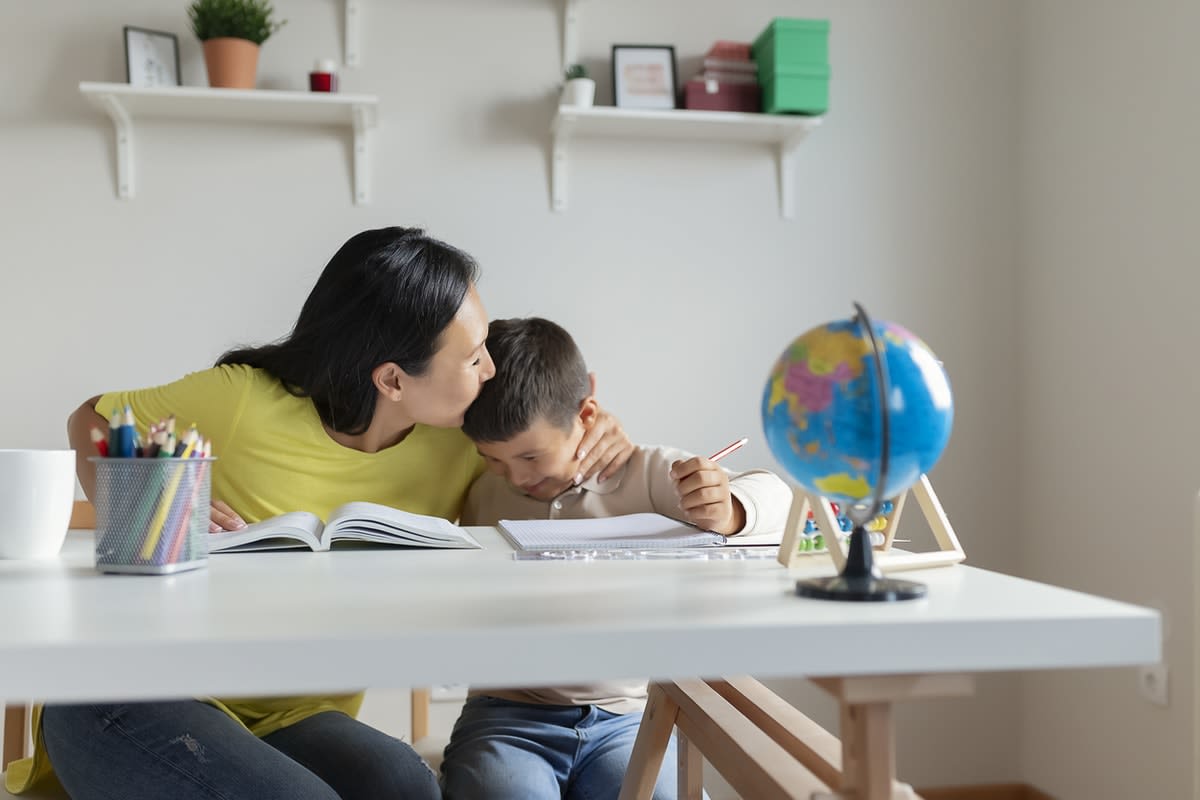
x=787, y=175
x=570, y=50
x=363, y=121
x=123, y=131
x=563, y=129
x=353, y=33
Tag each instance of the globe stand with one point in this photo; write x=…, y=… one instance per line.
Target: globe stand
x=860, y=580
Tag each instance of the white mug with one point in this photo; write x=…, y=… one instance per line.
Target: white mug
x=37, y=493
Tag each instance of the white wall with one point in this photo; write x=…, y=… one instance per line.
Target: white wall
x=1109, y=390
x=671, y=266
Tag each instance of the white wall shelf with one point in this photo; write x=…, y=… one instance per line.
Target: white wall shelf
x=124, y=103
x=353, y=30
x=783, y=132
x=570, y=45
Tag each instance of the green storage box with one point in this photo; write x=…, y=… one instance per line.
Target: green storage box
x=797, y=90
x=791, y=42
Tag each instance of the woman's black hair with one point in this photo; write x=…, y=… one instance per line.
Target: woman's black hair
x=386, y=295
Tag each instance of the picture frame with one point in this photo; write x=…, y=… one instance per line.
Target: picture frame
x=151, y=57
x=644, y=76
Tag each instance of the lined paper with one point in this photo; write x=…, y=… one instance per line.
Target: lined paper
x=629, y=531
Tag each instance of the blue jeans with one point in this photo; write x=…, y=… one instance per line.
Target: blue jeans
x=187, y=750
x=516, y=751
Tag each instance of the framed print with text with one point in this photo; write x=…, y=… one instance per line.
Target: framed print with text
x=151, y=57
x=643, y=76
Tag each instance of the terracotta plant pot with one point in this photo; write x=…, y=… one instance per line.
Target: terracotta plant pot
x=231, y=63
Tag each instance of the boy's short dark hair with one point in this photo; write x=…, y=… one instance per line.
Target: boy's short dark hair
x=539, y=373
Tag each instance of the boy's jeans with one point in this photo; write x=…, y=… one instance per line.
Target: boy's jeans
x=187, y=750
x=516, y=751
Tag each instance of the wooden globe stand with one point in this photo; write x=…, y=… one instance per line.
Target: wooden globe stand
x=949, y=550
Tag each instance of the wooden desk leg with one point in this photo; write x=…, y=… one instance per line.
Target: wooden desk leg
x=868, y=751
x=691, y=769
x=14, y=734
x=868, y=738
x=650, y=746
x=420, y=714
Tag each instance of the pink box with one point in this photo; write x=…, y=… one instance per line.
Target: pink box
x=725, y=49
x=712, y=95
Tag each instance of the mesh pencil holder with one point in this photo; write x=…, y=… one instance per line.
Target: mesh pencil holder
x=152, y=514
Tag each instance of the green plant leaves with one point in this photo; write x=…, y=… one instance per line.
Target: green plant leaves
x=240, y=19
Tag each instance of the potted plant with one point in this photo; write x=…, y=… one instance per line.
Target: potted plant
x=579, y=89
x=231, y=32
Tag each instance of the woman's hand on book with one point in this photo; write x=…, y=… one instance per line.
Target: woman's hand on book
x=224, y=518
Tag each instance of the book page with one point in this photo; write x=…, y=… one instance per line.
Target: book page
x=750, y=539
x=298, y=529
x=626, y=532
x=373, y=522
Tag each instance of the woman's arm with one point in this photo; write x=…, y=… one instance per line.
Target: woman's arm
x=79, y=434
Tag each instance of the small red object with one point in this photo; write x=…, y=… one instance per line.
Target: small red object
x=323, y=78
x=709, y=94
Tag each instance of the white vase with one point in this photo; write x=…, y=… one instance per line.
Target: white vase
x=579, y=92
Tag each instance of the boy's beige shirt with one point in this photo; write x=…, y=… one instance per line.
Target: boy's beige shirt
x=643, y=484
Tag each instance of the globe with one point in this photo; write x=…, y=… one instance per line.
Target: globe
x=822, y=417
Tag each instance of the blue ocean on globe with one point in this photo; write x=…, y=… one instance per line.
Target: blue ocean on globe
x=821, y=415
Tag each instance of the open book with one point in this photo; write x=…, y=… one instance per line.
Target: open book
x=625, y=532
x=357, y=522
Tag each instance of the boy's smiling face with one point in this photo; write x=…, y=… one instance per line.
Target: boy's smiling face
x=540, y=461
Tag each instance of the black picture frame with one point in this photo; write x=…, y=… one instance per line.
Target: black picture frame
x=157, y=57
x=625, y=96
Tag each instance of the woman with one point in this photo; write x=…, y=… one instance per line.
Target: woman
x=361, y=401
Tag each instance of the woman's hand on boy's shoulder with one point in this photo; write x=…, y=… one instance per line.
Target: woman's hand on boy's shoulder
x=705, y=498
x=605, y=448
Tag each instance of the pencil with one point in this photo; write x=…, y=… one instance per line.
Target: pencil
x=181, y=539
x=154, y=533
x=727, y=449
x=114, y=425
x=100, y=441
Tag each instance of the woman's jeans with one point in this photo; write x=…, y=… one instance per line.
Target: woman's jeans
x=517, y=751
x=188, y=749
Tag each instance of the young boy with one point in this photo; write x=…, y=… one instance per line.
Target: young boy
x=572, y=741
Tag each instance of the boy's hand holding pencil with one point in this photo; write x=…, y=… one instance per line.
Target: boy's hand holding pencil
x=704, y=495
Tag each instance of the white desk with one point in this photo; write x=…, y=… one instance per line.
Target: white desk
x=301, y=622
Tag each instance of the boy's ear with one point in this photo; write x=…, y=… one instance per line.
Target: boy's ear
x=589, y=410
x=389, y=380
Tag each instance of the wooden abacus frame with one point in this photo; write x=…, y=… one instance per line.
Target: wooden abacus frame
x=949, y=550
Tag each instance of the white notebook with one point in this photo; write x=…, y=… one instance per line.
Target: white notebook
x=626, y=532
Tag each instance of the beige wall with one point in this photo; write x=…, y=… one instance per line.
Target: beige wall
x=1109, y=390
x=907, y=200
